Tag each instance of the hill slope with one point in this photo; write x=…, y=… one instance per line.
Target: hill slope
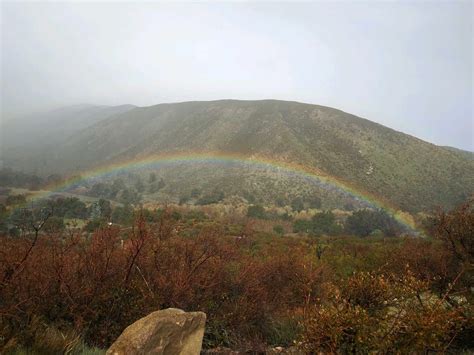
x=413, y=174
x=54, y=126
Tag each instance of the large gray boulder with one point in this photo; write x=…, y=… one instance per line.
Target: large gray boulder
x=170, y=331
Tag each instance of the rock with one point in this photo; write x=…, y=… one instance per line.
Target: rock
x=285, y=351
x=170, y=331
x=222, y=351
x=270, y=351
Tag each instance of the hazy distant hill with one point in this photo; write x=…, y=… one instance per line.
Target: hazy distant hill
x=414, y=174
x=54, y=126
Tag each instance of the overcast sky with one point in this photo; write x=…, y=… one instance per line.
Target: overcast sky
x=407, y=65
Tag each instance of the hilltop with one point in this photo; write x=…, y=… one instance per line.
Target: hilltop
x=413, y=174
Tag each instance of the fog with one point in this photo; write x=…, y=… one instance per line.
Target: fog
x=407, y=65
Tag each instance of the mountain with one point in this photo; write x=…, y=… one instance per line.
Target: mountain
x=55, y=126
x=414, y=175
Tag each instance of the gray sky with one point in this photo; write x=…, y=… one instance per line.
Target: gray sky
x=407, y=65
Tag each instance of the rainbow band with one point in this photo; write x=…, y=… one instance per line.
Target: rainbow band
x=218, y=158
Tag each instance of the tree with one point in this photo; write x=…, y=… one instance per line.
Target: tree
x=3, y=218
x=152, y=178
x=183, y=199
x=29, y=222
x=94, y=211
x=116, y=187
x=54, y=224
x=105, y=208
x=130, y=196
x=280, y=202
x=214, y=197
x=314, y=202
x=156, y=186
x=320, y=223
x=302, y=226
x=101, y=209
x=325, y=223
x=363, y=222
x=100, y=190
x=297, y=204
x=122, y=215
x=9, y=177
x=15, y=200
x=69, y=207
x=139, y=186
x=248, y=196
x=456, y=230
x=256, y=211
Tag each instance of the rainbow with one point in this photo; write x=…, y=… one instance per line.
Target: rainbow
x=166, y=159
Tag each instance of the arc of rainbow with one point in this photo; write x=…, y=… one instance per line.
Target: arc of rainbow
x=213, y=157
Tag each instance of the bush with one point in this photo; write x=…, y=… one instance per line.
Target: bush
x=325, y=223
x=376, y=315
x=183, y=200
x=214, y=197
x=364, y=222
x=98, y=286
x=278, y=229
x=320, y=223
x=54, y=224
x=15, y=200
x=302, y=226
x=297, y=204
x=334, y=295
x=122, y=215
x=256, y=211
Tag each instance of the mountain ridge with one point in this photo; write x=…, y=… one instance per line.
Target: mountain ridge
x=310, y=104
x=413, y=174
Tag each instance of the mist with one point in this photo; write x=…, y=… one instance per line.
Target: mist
x=404, y=65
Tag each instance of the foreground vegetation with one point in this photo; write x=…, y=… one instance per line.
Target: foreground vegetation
x=62, y=289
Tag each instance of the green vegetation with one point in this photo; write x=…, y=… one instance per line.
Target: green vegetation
x=325, y=223
x=215, y=196
x=256, y=211
x=409, y=173
x=12, y=178
x=122, y=215
x=361, y=223
x=15, y=200
x=119, y=191
x=278, y=229
x=366, y=222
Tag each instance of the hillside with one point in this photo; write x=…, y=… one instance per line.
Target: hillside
x=413, y=174
x=55, y=126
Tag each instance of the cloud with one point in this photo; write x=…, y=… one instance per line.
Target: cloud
x=405, y=65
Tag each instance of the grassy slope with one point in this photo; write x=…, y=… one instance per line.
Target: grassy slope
x=414, y=174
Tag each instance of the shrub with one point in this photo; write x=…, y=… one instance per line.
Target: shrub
x=278, y=229
x=15, y=200
x=214, y=197
x=374, y=321
x=320, y=223
x=256, y=211
x=302, y=226
x=297, y=204
x=325, y=223
x=347, y=295
x=363, y=222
